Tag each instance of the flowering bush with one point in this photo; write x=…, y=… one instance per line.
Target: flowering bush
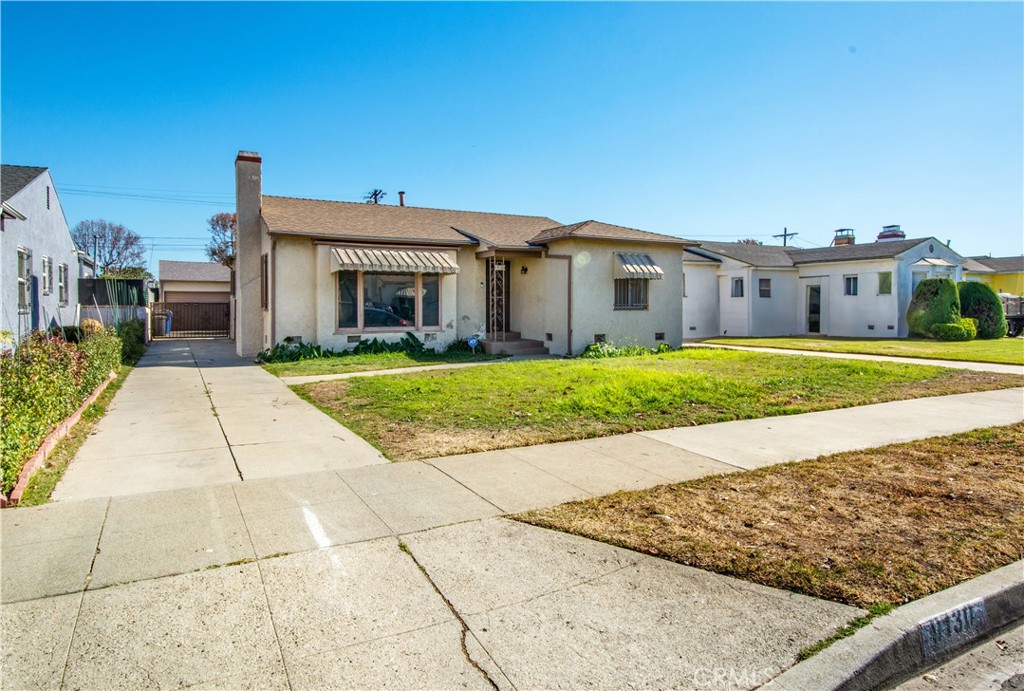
x=42, y=382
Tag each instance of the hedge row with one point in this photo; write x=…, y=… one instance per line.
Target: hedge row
x=42, y=382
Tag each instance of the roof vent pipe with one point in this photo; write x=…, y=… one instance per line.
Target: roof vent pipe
x=891, y=233
x=401, y=198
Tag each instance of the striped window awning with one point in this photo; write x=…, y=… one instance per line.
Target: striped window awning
x=392, y=261
x=637, y=266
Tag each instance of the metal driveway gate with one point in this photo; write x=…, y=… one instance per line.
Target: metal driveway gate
x=191, y=320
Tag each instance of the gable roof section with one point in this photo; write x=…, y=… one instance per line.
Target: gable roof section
x=1002, y=264
x=14, y=178
x=755, y=255
x=975, y=266
x=595, y=230
x=402, y=224
x=193, y=271
x=870, y=250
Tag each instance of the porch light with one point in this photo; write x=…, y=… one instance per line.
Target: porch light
x=523, y=269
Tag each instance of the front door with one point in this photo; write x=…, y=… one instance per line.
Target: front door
x=497, y=296
x=814, y=309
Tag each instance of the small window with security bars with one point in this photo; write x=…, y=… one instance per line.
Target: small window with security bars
x=631, y=293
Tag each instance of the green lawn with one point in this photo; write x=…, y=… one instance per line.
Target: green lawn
x=1001, y=350
x=444, y=412
x=368, y=363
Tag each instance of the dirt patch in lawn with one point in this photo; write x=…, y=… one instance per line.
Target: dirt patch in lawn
x=877, y=527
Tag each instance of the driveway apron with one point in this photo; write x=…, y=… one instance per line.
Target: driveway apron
x=192, y=413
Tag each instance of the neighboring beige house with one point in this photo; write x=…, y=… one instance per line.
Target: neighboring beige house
x=850, y=289
x=194, y=282
x=334, y=273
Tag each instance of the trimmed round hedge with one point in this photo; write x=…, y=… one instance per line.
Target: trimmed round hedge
x=965, y=330
x=978, y=301
x=936, y=301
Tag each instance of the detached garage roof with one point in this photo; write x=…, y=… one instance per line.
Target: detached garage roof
x=194, y=271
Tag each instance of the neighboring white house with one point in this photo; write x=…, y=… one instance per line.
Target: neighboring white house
x=333, y=273
x=39, y=263
x=854, y=290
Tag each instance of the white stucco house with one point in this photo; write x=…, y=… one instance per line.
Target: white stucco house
x=39, y=263
x=853, y=290
x=333, y=273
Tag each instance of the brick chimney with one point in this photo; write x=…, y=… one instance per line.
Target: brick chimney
x=248, y=251
x=891, y=233
x=844, y=236
x=401, y=198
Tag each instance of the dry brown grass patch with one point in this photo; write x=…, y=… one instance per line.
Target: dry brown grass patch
x=887, y=525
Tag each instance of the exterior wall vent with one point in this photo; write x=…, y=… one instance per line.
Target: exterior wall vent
x=599, y=338
x=659, y=335
x=548, y=337
x=354, y=338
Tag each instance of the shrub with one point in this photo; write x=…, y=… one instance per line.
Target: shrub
x=980, y=302
x=133, y=340
x=963, y=330
x=71, y=334
x=90, y=326
x=460, y=346
x=609, y=349
x=407, y=344
x=293, y=352
x=935, y=301
x=44, y=380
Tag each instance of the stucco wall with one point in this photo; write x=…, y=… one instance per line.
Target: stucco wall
x=45, y=232
x=593, y=294
x=294, y=289
x=700, y=301
x=470, y=315
x=774, y=315
x=1012, y=283
x=852, y=315
x=249, y=321
x=325, y=298
x=735, y=311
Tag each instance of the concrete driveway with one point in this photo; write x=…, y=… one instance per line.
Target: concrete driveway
x=192, y=413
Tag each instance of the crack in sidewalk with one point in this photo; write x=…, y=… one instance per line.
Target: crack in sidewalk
x=458, y=617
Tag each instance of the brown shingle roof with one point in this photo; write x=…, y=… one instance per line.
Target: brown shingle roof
x=193, y=271
x=354, y=221
x=776, y=256
x=1003, y=264
x=755, y=255
x=595, y=230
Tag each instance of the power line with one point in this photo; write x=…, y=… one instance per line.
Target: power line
x=145, y=198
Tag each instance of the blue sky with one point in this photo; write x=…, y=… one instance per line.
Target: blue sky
x=708, y=121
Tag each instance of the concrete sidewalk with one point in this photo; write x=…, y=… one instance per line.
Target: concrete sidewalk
x=402, y=575
x=192, y=413
x=955, y=364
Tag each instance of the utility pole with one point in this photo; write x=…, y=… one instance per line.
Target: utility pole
x=785, y=235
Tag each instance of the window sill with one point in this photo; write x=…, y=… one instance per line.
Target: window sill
x=630, y=309
x=348, y=331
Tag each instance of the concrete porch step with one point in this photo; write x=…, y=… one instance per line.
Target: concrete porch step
x=519, y=346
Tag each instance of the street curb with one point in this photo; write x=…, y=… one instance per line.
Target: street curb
x=915, y=637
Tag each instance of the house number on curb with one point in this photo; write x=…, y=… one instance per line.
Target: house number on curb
x=948, y=630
